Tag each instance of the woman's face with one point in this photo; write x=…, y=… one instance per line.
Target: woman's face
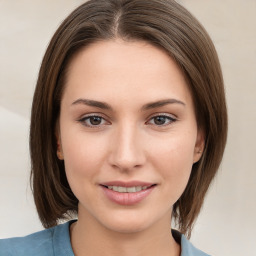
x=128, y=134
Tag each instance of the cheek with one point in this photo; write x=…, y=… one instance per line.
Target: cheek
x=173, y=158
x=82, y=154
x=82, y=159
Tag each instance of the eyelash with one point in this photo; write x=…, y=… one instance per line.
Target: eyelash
x=167, y=118
x=88, y=118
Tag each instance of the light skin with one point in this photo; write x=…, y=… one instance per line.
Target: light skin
x=126, y=115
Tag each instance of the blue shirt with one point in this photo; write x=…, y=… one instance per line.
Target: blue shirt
x=55, y=241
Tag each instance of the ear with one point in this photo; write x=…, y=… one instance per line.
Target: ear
x=199, y=146
x=58, y=141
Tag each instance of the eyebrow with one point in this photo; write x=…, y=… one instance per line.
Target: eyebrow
x=151, y=105
x=93, y=103
x=162, y=103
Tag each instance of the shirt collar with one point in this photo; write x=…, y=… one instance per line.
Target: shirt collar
x=62, y=243
x=187, y=248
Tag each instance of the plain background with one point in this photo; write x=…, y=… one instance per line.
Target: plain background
x=226, y=225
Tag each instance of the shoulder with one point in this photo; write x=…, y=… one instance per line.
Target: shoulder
x=28, y=245
x=43, y=243
x=188, y=249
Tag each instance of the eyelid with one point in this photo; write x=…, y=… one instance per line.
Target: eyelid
x=87, y=116
x=84, y=117
x=170, y=116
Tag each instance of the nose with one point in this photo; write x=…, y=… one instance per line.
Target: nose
x=127, y=151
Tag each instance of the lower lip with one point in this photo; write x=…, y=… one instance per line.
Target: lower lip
x=127, y=198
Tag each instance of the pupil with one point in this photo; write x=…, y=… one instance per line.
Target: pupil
x=159, y=120
x=95, y=120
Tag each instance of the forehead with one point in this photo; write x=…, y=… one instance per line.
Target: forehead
x=125, y=69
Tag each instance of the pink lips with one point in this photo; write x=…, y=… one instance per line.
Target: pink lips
x=127, y=198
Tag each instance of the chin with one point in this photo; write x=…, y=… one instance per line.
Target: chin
x=128, y=223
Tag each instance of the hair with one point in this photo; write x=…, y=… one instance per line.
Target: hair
x=162, y=23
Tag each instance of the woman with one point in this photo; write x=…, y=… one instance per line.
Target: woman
x=128, y=129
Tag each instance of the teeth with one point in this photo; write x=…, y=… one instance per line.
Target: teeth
x=138, y=188
x=131, y=189
x=127, y=189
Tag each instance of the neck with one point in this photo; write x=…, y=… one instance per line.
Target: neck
x=89, y=238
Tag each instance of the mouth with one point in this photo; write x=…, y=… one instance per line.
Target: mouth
x=132, y=189
x=127, y=193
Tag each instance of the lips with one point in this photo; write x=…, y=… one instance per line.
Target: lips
x=121, y=189
x=127, y=193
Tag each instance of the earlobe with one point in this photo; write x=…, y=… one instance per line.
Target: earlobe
x=199, y=146
x=59, y=147
x=59, y=154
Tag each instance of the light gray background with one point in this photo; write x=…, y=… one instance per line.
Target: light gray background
x=227, y=222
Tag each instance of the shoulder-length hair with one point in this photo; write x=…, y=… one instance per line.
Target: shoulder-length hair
x=162, y=23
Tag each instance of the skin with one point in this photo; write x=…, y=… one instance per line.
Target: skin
x=125, y=143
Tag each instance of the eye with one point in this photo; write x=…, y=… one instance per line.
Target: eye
x=161, y=120
x=93, y=121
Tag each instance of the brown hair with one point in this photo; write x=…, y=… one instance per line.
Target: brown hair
x=163, y=23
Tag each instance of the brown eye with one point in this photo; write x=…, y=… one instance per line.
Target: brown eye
x=161, y=120
x=95, y=120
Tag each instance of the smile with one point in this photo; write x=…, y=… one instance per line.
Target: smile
x=129, y=193
x=127, y=189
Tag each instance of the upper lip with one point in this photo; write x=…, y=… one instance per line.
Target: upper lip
x=133, y=183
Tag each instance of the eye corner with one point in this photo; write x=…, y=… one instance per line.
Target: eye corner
x=164, y=119
x=99, y=121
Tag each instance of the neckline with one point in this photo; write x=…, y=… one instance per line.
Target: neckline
x=62, y=241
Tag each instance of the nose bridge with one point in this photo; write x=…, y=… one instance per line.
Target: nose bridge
x=127, y=150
